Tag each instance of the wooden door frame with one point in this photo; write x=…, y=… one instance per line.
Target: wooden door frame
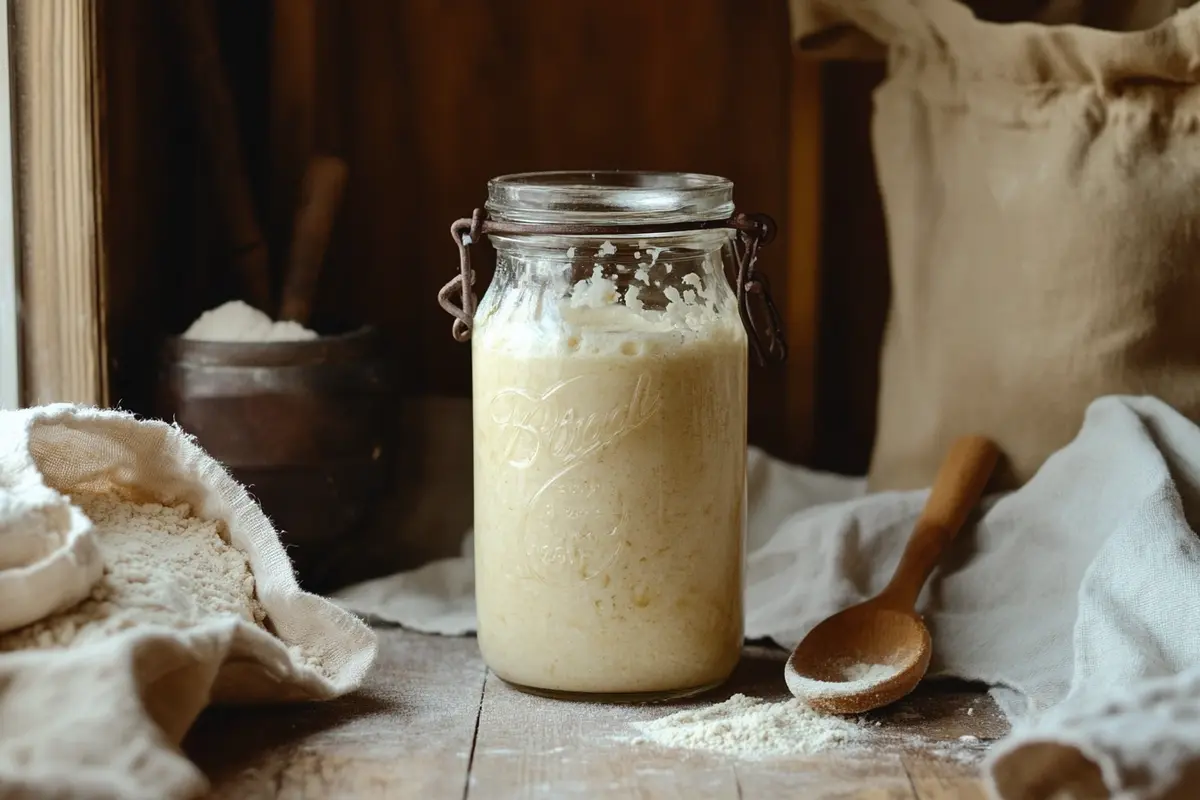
x=58, y=87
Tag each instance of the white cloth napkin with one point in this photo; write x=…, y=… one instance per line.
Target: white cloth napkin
x=1076, y=597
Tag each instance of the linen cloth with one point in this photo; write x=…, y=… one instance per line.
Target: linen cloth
x=1076, y=596
x=105, y=719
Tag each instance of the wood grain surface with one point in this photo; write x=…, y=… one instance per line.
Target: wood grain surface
x=432, y=723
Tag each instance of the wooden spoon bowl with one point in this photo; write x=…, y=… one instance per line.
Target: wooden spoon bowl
x=884, y=638
x=869, y=633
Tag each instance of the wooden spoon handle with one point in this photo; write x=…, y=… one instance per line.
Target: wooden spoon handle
x=320, y=196
x=959, y=484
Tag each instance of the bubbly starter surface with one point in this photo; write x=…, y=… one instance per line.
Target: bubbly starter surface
x=610, y=464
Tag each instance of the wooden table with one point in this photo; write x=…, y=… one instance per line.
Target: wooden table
x=432, y=723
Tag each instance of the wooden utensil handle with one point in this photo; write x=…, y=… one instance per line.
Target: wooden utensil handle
x=960, y=482
x=219, y=138
x=320, y=196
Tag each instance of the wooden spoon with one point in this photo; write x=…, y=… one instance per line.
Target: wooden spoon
x=874, y=653
x=320, y=196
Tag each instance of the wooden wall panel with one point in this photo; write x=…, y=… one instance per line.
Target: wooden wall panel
x=292, y=103
x=427, y=100
x=146, y=200
x=165, y=258
x=805, y=179
x=855, y=288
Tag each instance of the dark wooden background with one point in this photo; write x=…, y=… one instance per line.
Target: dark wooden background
x=427, y=99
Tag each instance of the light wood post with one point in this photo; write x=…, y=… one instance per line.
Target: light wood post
x=58, y=87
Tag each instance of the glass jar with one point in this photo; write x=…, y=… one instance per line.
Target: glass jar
x=609, y=390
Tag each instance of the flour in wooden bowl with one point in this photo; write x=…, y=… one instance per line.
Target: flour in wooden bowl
x=162, y=567
x=751, y=728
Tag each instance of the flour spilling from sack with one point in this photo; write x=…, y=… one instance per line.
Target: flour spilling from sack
x=237, y=321
x=162, y=567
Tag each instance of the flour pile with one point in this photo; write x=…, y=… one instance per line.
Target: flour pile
x=237, y=321
x=752, y=729
x=163, y=567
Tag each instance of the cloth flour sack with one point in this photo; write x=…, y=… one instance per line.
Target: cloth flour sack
x=104, y=718
x=1039, y=183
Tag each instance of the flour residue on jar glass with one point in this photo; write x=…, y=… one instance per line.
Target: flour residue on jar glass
x=610, y=461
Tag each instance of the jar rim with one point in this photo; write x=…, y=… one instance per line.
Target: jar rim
x=630, y=197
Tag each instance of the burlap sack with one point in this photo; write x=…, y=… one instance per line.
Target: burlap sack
x=1043, y=214
x=105, y=719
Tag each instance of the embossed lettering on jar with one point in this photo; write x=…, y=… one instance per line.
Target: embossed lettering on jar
x=609, y=385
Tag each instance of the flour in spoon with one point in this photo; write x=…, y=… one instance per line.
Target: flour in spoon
x=752, y=729
x=867, y=673
x=856, y=677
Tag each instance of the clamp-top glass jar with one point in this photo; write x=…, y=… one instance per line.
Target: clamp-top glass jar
x=609, y=371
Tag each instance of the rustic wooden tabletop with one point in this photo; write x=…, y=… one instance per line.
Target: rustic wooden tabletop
x=432, y=723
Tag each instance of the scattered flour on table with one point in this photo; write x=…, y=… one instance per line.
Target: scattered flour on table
x=751, y=728
x=162, y=567
x=237, y=321
x=960, y=752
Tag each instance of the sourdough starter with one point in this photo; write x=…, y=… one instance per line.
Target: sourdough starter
x=610, y=465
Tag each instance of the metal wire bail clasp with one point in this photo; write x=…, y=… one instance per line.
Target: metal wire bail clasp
x=465, y=232
x=766, y=335
x=763, y=323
